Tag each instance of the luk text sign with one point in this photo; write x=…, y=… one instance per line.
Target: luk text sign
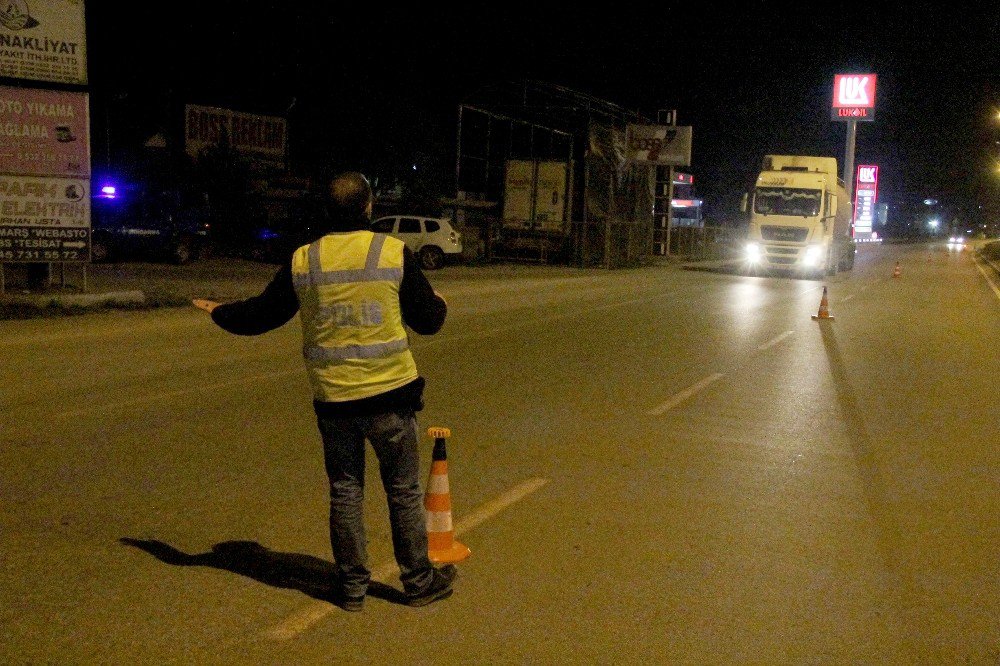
x=854, y=97
x=865, y=194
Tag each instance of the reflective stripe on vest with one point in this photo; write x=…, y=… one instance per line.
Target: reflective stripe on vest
x=370, y=273
x=354, y=342
x=378, y=350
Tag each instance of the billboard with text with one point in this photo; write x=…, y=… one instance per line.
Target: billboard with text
x=44, y=219
x=854, y=97
x=43, y=40
x=664, y=145
x=44, y=132
x=261, y=139
x=865, y=196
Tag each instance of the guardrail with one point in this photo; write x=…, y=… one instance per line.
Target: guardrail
x=990, y=254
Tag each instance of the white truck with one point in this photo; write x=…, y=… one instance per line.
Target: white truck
x=800, y=217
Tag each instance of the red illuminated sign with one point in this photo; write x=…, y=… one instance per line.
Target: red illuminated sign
x=865, y=193
x=854, y=97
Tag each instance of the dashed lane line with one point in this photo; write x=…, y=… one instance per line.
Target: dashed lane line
x=775, y=340
x=687, y=393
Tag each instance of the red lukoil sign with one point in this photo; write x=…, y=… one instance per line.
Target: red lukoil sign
x=865, y=196
x=854, y=97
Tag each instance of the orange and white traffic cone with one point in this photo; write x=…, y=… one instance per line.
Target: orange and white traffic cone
x=897, y=271
x=441, y=545
x=824, y=309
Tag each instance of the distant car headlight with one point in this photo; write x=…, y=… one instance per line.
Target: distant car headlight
x=753, y=252
x=812, y=255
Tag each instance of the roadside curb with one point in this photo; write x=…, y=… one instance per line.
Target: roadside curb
x=991, y=249
x=75, y=300
x=718, y=265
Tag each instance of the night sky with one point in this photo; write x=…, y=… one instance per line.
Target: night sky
x=373, y=83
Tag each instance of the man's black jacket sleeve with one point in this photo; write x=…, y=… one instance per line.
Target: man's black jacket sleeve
x=423, y=311
x=272, y=308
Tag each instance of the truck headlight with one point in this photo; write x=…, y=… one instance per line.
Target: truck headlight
x=753, y=252
x=812, y=255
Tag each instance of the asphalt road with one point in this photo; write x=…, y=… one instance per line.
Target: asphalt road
x=653, y=465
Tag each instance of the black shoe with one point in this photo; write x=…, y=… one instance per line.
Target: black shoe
x=440, y=587
x=351, y=604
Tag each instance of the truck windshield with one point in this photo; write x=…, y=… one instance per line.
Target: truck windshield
x=786, y=201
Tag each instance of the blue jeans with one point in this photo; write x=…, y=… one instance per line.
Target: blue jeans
x=393, y=435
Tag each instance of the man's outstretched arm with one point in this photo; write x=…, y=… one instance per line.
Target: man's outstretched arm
x=274, y=307
x=424, y=310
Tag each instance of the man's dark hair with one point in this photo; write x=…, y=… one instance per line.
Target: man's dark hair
x=348, y=197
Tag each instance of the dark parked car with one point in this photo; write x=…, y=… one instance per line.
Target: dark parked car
x=270, y=228
x=163, y=225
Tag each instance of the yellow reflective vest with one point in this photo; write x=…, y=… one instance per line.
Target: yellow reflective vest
x=353, y=338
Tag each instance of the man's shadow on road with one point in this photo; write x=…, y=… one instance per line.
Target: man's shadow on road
x=307, y=574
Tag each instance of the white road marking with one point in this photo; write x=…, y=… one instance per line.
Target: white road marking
x=155, y=397
x=773, y=341
x=684, y=395
x=989, y=280
x=847, y=298
x=312, y=613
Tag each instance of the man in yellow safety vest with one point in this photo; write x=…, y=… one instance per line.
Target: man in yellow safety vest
x=355, y=290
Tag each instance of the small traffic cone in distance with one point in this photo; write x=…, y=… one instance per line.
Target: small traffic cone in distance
x=442, y=548
x=897, y=271
x=824, y=309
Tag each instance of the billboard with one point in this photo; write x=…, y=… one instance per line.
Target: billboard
x=44, y=219
x=261, y=139
x=665, y=145
x=44, y=132
x=854, y=97
x=865, y=195
x=43, y=40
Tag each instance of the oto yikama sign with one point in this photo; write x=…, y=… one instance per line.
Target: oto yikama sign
x=44, y=219
x=43, y=40
x=44, y=133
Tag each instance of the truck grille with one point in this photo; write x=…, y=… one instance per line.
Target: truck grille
x=787, y=234
x=777, y=255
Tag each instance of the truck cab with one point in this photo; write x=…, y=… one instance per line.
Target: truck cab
x=800, y=217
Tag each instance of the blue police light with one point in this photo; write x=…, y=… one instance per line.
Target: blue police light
x=109, y=192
